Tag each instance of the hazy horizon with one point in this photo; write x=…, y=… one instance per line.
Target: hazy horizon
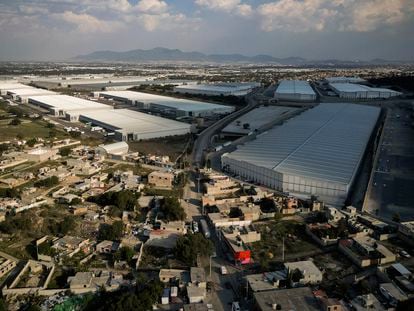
x=53, y=30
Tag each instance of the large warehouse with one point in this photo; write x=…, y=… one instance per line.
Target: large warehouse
x=316, y=153
x=221, y=89
x=179, y=107
x=345, y=80
x=11, y=85
x=65, y=106
x=23, y=94
x=130, y=125
x=358, y=91
x=295, y=90
x=259, y=117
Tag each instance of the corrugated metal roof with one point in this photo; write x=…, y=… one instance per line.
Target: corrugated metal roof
x=175, y=103
x=294, y=87
x=324, y=143
x=68, y=103
x=134, y=121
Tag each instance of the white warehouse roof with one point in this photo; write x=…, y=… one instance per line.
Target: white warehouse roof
x=295, y=90
x=29, y=91
x=7, y=85
x=294, y=87
x=118, y=148
x=66, y=103
x=322, y=145
x=237, y=89
x=141, y=125
x=257, y=118
x=362, y=91
x=345, y=80
x=170, y=102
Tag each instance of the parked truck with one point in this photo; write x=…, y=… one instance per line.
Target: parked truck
x=204, y=228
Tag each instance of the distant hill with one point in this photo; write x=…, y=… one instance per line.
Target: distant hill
x=163, y=54
x=175, y=55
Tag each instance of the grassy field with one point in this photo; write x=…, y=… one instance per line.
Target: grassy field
x=269, y=248
x=171, y=146
x=27, y=129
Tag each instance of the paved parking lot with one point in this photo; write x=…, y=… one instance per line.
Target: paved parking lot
x=392, y=183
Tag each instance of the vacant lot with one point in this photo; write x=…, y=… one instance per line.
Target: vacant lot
x=270, y=248
x=27, y=129
x=171, y=146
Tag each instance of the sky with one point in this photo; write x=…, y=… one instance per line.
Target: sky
x=313, y=29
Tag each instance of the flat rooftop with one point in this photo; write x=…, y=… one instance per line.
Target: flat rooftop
x=222, y=87
x=134, y=121
x=8, y=85
x=293, y=299
x=68, y=103
x=257, y=118
x=27, y=91
x=175, y=103
x=324, y=143
x=353, y=87
x=294, y=87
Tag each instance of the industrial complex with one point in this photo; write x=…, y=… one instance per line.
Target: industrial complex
x=257, y=118
x=358, y=91
x=222, y=89
x=316, y=153
x=130, y=125
x=295, y=90
x=177, y=106
x=65, y=106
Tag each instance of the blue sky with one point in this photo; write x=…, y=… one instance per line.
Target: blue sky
x=314, y=29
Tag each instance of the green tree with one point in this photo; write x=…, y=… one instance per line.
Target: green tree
x=50, y=126
x=3, y=147
x=16, y=111
x=124, y=253
x=75, y=134
x=15, y=122
x=172, y=209
x=67, y=224
x=47, y=182
x=189, y=246
x=3, y=305
x=396, y=217
x=268, y=205
x=64, y=152
x=125, y=200
x=31, y=142
x=111, y=232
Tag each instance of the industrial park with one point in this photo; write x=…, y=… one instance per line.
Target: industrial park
x=206, y=155
x=231, y=195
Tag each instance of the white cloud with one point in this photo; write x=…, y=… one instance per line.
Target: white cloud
x=167, y=21
x=86, y=23
x=152, y=6
x=342, y=15
x=229, y=6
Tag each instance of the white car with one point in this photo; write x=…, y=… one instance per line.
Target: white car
x=405, y=254
x=223, y=270
x=235, y=306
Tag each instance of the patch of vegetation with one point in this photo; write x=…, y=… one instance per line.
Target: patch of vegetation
x=125, y=200
x=9, y=193
x=189, y=246
x=112, y=232
x=47, y=182
x=171, y=209
x=142, y=299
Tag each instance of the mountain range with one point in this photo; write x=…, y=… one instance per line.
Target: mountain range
x=174, y=55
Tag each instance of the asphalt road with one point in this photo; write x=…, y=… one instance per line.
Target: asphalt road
x=203, y=140
x=392, y=181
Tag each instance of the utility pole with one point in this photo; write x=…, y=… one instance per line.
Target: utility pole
x=210, y=266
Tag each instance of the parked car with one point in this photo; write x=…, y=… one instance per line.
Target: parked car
x=404, y=254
